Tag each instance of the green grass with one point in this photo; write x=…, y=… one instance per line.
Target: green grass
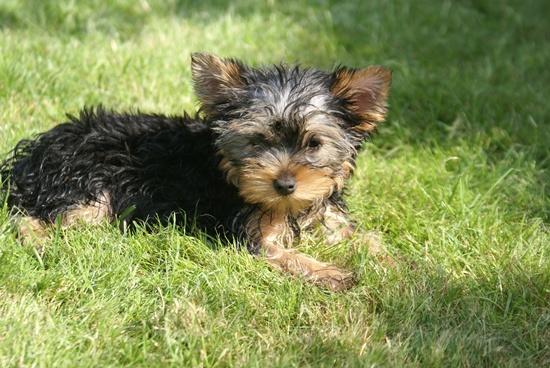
x=457, y=181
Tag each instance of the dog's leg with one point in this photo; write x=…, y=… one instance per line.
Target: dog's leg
x=92, y=213
x=274, y=233
x=336, y=224
x=295, y=263
x=35, y=232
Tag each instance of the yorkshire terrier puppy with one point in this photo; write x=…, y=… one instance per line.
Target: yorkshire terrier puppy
x=267, y=157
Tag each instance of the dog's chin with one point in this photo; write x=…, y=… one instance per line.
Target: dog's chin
x=287, y=205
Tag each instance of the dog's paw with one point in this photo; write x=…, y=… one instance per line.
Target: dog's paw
x=334, y=279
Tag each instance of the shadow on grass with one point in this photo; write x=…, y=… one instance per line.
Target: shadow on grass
x=489, y=319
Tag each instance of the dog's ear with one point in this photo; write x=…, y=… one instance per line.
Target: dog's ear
x=216, y=80
x=364, y=92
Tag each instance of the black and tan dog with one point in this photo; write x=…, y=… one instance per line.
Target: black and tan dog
x=267, y=157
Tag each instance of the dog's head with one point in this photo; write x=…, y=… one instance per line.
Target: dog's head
x=288, y=136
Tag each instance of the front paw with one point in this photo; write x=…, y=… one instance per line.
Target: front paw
x=334, y=278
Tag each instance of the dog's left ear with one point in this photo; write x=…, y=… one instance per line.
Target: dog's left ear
x=364, y=92
x=216, y=80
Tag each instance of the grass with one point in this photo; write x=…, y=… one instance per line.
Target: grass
x=456, y=181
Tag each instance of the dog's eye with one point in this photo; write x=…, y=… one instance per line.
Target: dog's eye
x=314, y=143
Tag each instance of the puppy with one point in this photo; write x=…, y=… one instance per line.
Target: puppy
x=267, y=157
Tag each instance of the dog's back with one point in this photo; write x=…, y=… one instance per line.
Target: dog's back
x=146, y=166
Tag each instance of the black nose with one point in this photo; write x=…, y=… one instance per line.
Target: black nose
x=285, y=184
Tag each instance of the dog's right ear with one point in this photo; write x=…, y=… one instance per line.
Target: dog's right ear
x=217, y=81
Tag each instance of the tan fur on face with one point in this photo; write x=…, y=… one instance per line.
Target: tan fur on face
x=311, y=185
x=345, y=172
x=231, y=172
x=256, y=184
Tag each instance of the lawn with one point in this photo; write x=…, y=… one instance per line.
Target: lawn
x=457, y=181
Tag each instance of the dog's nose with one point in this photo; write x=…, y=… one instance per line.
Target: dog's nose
x=285, y=184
